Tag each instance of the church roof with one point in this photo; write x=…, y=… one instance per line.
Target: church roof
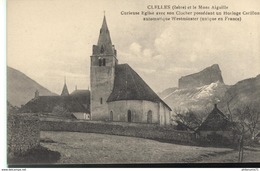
x=83, y=96
x=128, y=85
x=46, y=104
x=215, y=121
x=65, y=91
x=80, y=93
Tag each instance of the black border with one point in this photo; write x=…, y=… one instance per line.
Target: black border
x=143, y=165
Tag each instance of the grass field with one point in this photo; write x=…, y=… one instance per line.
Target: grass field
x=88, y=148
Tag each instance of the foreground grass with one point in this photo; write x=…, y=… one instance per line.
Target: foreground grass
x=88, y=148
x=38, y=155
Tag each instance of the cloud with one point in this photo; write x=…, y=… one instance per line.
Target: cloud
x=135, y=48
x=47, y=36
x=182, y=49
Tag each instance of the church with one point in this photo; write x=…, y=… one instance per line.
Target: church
x=75, y=105
x=118, y=93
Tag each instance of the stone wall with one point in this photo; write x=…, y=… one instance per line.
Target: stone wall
x=150, y=131
x=23, y=133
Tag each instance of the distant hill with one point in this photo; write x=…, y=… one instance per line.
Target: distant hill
x=21, y=88
x=245, y=92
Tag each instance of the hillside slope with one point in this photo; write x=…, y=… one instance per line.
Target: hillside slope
x=21, y=88
x=244, y=92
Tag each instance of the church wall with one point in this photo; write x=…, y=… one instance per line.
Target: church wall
x=139, y=110
x=119, y=110
x=164, y=114
x=102, y=79
x=167, y=115
x=161, y=114
x=154, y=107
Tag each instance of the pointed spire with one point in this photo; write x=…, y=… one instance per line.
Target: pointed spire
x=104, y=36
x=104, y=44
x=65, y=91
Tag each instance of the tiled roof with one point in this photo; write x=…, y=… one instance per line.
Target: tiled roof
x=128, y=85
x=46, y=104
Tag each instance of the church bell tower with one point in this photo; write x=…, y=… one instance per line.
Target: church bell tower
x=102, y=69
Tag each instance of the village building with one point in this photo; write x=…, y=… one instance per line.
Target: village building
x=216, y=128
x=118, y=93
x=75, y=105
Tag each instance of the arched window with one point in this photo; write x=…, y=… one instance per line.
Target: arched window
x=101, y=100
x=99, y=62
x=111, y=115
x=104, y=62
x=129, y=116
x=149, y=116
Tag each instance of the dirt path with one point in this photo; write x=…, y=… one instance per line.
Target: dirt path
x=84, y=148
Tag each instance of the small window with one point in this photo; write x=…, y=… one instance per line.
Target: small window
x=129, y=116
x=101, y=100
x=111, y=115
x=99, y=62
x=104, y=62
x=102, y=49
x=150, y=117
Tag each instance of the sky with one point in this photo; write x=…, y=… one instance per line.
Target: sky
x=52, y=39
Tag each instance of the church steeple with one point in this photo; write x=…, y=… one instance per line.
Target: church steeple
x=104, y=35
x=104, y=45
x=102, y=73
x=65, y=91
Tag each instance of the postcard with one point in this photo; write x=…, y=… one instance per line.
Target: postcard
x=133, y=83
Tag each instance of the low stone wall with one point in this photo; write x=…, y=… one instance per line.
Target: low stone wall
x=150, y=131
x=23, y=133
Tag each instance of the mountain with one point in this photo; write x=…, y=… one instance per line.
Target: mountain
x=21, y=88
x=167, y=91
x=198, y=99
x=245, y=92
x=197, y=92
x=204, y=77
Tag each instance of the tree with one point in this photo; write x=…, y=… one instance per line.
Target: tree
x=247, y=119
x=188, y=118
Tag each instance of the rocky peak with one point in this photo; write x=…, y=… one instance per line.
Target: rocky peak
x=205, y=77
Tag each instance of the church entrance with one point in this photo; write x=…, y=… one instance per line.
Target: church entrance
x=149, y=116
x=129, y=116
